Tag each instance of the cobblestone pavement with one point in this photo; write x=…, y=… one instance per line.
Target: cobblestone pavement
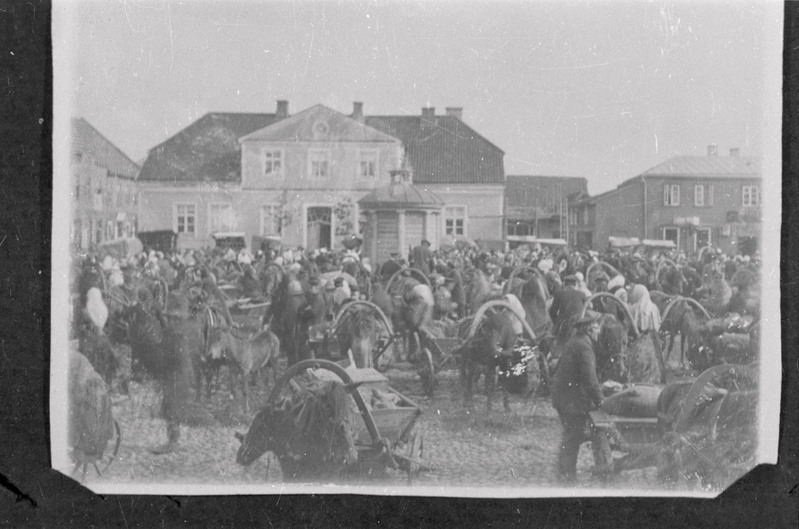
x=467, y=449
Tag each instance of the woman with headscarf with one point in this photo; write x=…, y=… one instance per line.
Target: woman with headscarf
x=646, y=314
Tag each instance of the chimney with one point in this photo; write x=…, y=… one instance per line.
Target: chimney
x=713, y=149
x=455, y=112
x=357, y=111
x=282, y=109
x=428, y=118
x=735, y=152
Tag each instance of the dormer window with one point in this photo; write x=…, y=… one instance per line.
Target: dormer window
x=273, y=162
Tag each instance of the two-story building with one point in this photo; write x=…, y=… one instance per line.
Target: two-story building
x=104, y=201
x=692, y=200
x=299, y=177
x=536, y=206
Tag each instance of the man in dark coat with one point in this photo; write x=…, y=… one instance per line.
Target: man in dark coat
x=566, y=303
x=181, y=336
x=390, y=267
x=575, y=392
x=422, y=257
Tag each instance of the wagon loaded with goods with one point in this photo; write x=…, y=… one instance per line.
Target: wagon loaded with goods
x=698, y=431
x=325, y=423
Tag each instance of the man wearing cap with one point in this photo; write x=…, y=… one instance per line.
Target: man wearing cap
x=422, y=257
x=566, y=303
x=575, y=392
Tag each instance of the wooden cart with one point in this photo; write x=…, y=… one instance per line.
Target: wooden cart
x=639, y=440
x=385, y=437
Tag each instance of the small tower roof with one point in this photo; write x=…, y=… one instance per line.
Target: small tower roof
x=401, y=194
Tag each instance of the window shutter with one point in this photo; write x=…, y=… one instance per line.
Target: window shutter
x=676, y=194
x=710, y=195
x=666, y=194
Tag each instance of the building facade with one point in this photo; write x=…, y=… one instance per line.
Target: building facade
x=537, y=206
x=694, y=201
x=104, y=200
x=298, y=178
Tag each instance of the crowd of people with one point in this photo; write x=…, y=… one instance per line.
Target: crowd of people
x=712, y=278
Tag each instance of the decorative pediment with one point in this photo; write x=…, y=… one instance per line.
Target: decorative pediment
x=319, y=124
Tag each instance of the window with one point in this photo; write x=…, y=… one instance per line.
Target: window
x=702, y=238
x=703, y=195
x=672, y=234
x=455, y=220
x=319, y=163
x=367, y=164
x=220, y=218
x=185, y=218
x=671, y=195
x=270, y=220
x=520, y=228
x=273, y=162
x=699, y=195
x=750, y=196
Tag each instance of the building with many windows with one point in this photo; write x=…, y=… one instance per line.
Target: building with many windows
x=298, y=177
x=103, y=188
x=694, y=201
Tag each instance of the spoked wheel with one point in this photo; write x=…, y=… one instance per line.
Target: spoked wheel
x=415, y=454
x=82, y=464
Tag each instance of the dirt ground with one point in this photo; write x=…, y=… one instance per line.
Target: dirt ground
x=463, y=449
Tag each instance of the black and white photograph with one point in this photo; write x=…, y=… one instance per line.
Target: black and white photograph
x=458, y=248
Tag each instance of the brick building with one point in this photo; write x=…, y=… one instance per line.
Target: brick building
x=103, y=188
x=299, y=177
x=691, y=200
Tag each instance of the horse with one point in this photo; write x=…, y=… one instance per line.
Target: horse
x=358, y=335
x=312, y=433
x=532, y=294
x=247, y=355
x=490, y=348
x=624, y=353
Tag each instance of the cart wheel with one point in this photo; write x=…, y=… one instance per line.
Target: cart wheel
x=427, y=372
x=415, y=455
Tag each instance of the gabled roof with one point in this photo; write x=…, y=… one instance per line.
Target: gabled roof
x=87, y=139
x=206, y=151
x=444, y=150
x=695, y=167
x=319, y=123
x=706, y=166
x=441, y=149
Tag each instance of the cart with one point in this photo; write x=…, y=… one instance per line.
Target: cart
x=638, y=442
x=386, y=336
x=385, y=437
x=433, y=354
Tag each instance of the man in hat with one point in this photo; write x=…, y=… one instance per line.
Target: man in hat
x=421, y=257
x=575, y=392
x=566, y=303
x=181, y=337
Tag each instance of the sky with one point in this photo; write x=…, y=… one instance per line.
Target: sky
x=601, y=90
